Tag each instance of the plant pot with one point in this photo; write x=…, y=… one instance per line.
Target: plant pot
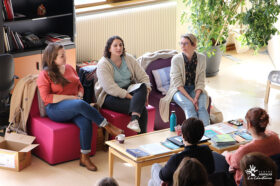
x=213, y=63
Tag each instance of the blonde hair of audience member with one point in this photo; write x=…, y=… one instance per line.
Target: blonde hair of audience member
x=262, y=163
x=107, y=181
x=190, y=173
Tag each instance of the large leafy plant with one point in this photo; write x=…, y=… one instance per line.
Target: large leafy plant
x=210, y=21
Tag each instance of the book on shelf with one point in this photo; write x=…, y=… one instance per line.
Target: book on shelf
x=154, y=148
x=58, y=38
x=223, y=140
x=137, y=152
x=8, y=7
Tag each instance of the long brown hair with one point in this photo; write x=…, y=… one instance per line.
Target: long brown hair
x=262, y=164
x=49, y=55
x=190, y=172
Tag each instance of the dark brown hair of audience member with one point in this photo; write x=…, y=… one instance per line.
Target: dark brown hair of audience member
x=107, y=52
x=262, y=164
x=258, y=118
x=190, y=173
x=192, y=130
x=49, y=55
x=108, y=181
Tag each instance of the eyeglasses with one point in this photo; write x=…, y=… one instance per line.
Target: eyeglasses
x=182, y=44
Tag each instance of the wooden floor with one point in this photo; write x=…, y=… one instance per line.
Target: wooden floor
x=239, y=86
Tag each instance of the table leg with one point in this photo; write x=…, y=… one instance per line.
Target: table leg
x=111, y=163
x=137, y=175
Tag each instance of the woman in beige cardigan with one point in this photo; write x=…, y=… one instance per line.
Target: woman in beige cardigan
x=187, y=82
x=123, y=85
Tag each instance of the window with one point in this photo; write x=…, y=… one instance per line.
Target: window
x=87, y=3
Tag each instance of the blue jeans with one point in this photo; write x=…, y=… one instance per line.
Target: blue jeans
x=188, y=106
x=79, y=112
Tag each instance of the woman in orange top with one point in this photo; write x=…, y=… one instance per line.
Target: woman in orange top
x=264, y=141
x=62, y=93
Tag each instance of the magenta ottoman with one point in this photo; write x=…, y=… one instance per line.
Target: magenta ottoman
x=121, y=120
x=58, y=142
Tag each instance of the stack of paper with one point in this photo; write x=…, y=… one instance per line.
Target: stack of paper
x=154, y=148
x=223, y=140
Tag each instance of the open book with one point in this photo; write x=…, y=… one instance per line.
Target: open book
x=133, y=87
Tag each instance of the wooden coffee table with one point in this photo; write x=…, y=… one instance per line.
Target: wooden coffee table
x=119, y=150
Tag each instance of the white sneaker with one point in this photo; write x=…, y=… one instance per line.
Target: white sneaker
x=134, y=125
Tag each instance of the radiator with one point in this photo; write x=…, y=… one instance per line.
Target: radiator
x=146, y=28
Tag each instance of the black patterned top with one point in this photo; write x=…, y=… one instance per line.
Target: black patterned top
x=190, y=68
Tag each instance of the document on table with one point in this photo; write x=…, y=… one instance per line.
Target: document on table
x=154, y=148
x=222, y=128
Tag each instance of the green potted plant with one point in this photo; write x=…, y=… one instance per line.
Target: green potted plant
x=210, y=21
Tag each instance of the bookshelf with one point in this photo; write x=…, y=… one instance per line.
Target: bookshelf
x=59, y=18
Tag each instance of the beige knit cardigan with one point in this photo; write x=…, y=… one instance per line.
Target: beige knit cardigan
x=106, y=83
x=178, y=78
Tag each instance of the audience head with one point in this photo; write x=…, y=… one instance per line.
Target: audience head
x=192, y=130
x=108, y=181
x=258, y=119
x=109, y=45
x=192, y=39
x=190, y=173
x=53, y=57
x=261, y=164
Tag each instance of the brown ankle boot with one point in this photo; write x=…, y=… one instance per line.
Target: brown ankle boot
x=85, y=162
x=113, y=130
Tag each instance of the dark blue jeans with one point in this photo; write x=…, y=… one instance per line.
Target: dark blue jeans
x=79, y=112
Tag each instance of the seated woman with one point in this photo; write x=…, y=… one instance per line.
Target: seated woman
x=117, y=72
x=62, y=93
x=264, y=141
x=192, y=131
x=187, y=82
x=189, y=173
x=264, y=168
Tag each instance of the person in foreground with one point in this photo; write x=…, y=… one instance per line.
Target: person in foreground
x=107, y=181
x=117, y=73
x=190, y=173
x=187, y=82
x=192, y=131
x=264, y=141
x=62, y=92
x=258, y=170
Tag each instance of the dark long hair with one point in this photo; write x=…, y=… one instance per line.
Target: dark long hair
x=107, y=52
x=258, y=118
x=49, y=55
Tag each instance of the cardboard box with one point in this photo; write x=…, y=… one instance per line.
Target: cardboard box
x=15, y=151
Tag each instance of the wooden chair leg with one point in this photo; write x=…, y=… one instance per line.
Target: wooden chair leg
x=106, y=138
x=267, y=92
